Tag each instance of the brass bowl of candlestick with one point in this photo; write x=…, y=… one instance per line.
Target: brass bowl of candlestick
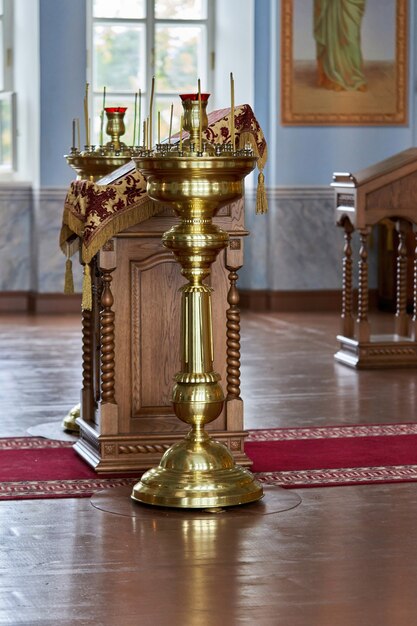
x=196, y=179
x=95, y=162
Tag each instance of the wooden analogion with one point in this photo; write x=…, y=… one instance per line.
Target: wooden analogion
x=131, y=347
x=383, y=193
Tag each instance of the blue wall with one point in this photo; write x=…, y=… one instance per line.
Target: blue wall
x=309, y=155
x=62, y=83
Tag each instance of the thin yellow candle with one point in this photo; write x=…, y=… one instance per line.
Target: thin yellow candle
x=181, y=125
x=134, y=119
x=144, y=133
x=170, y=124
x=87, y=138
x=77, y=120
x=148, y=134
x=159, y=126
x=139, y=114
x=232, y=110
x=200, y=131
x=102, y=117
x=150, y=112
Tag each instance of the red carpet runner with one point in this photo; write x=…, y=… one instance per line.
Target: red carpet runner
x=34, y=467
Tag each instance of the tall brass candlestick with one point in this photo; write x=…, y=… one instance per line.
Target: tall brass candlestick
x=197, y=472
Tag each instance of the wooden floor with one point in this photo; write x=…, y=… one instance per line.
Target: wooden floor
x=345, y=556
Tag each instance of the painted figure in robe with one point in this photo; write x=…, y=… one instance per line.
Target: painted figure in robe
x=337, y=32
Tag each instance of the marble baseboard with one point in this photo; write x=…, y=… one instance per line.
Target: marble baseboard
x=49, y=204
x=296, y=246
x=16, y=242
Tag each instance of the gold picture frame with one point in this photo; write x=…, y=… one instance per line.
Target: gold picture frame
x=377, y=95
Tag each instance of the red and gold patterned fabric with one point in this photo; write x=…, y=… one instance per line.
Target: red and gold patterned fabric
x=94, y=213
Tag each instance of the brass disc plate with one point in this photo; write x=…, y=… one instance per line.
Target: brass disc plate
x=118, y=501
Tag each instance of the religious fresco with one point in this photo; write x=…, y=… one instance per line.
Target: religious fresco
x=344, y=62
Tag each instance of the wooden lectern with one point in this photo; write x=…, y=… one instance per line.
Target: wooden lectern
x=385, y=192
x=131, y=349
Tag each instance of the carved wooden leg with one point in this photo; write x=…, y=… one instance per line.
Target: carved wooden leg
x=401, y=318
x=347, y=284
x=233, y=339
x=414, y=320
x=363, y=295
x=107, y=340
x=97, y=292
x=87, y=388
x=234, y=403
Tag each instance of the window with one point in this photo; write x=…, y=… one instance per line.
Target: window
x=7, y=99
x=130, y=41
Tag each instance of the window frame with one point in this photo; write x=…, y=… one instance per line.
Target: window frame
x=151, y=22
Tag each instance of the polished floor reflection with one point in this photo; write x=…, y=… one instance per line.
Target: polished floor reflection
x=344, y=557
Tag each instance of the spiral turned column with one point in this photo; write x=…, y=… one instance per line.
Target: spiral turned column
x=401, y=318
x=347, y=284
x=107, y=340
x=233, y=338
x=363, y=289
x=414, y=318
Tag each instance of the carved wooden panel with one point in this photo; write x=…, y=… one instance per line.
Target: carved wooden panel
x=155, y=319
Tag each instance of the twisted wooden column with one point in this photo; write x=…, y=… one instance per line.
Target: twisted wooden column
x=233, y=338
x=347, y=283
x=363, y=295
x=414, y=319
x=87, y=369
x=401, y=319
x=97, y=291
x=107, y=339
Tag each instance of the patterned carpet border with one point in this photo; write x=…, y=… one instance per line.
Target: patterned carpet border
x=86, y=487
x=76, y=488
x=342, y=476
x=331, y=432
x=32, y=443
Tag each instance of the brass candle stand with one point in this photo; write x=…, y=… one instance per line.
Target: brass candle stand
x=196, y=181
x=92, y=164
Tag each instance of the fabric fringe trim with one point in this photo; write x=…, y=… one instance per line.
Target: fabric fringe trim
x=69, y=278
x=87, y=297
x=115, y=224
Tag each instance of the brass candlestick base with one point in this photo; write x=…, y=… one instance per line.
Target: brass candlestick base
x=197, y=472
x=69, y=422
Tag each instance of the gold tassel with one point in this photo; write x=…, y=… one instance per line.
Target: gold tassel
x=87, y=300
x=69, y=279
x=261, y=199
